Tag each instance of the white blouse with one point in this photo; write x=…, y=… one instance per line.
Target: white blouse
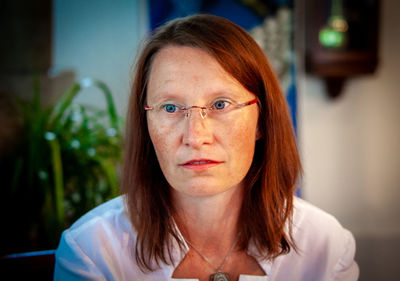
x=99, y=246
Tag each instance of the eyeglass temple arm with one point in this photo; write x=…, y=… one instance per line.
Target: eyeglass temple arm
x=249, y=103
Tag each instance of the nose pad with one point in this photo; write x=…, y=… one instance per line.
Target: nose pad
x=203, y=112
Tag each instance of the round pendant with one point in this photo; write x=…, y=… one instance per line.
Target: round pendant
x=220, y=276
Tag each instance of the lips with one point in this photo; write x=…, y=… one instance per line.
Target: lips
x=200, y=164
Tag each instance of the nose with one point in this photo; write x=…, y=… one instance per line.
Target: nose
x=198, y=129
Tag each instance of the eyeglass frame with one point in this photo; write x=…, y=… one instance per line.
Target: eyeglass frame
x=203, y=112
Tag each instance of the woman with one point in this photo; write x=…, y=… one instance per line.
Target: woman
x=210, y=168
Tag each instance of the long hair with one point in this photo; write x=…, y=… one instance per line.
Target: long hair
x=271, y=180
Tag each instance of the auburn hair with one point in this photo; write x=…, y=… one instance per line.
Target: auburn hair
x=265, y=217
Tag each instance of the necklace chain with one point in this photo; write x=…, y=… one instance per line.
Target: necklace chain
x=218, y=269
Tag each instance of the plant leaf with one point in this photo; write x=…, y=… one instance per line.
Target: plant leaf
x=58, y=179
x=110, y=103
x=109, y=169
x=59, y=109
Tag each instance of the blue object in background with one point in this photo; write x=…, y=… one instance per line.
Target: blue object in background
x=162, y=11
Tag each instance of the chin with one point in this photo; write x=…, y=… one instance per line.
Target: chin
x=202, y=190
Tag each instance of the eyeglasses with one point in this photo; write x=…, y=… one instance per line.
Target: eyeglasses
x=217, y=109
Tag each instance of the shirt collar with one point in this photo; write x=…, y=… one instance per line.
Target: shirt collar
x=178, y=255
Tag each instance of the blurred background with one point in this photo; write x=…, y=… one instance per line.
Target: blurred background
x=65, y=80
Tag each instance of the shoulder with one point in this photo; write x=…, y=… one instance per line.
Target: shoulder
x=105, y=213
x=108, y=221
x=309, y=218
x=318, y=233
x=109, y=218
x=97, y=242
x=325, y=249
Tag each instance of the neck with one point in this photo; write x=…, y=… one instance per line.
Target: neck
x=210, y=223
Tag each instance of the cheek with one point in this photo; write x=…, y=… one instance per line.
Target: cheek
x=159, y=138
x=242, y=142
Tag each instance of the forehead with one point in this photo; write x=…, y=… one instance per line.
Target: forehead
x=183, y=72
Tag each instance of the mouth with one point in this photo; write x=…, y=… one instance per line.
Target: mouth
x=200, y=164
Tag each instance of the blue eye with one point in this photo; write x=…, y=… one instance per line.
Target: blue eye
x=219, y=105
x=170, y=108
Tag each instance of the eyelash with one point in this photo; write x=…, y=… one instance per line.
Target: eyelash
x=226, y=103
x=164, y=107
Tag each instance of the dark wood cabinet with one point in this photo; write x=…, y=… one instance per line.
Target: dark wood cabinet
x=358, y=55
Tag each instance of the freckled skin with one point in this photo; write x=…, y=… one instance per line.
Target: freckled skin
x=194, y=77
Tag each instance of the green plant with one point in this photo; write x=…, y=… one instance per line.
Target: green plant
x=66, y=163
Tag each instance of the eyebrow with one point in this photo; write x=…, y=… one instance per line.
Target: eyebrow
x=225, y=93
x=162, y=97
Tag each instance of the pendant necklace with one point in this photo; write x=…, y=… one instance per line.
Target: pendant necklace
x=219, y=275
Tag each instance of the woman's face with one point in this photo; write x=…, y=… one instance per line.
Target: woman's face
x=199, y=156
